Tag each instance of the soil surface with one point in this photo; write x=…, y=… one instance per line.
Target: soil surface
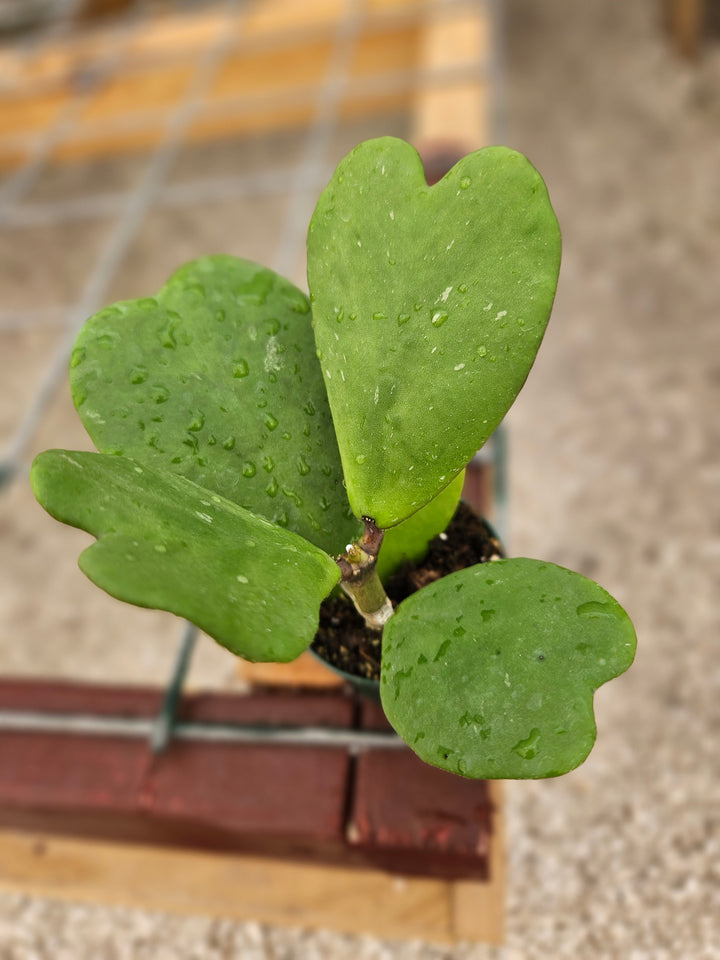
x=343, y=638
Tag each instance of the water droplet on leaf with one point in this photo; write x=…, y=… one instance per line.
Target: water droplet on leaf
x=167, y=334
x=442, y=650
x=595, y=609
x=528, y=748
x=108, y=340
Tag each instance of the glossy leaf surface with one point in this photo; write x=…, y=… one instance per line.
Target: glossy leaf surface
x=429, y=305
x=490, y=672
x=216, y=379
x=167, y=543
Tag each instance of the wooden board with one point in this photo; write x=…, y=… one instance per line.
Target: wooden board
x=245, y=888
x=456, y=114
x=479, y=909
x=305, y=671
x=241, y=888
x=685, y=20
x=128, y=109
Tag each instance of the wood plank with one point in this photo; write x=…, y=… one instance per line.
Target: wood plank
x=457, y=113
x=272, y=17
x=254, y=118
x=685, y=19
x=124, y=114
x=130, y=93
x=479, y=908
x=228, y=886
x=174, y=34
x=29, y=114
x=388, y=50
x=306, y=671
x=11, y=158
x=260, y=73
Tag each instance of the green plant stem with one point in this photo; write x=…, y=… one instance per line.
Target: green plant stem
x=360, y=580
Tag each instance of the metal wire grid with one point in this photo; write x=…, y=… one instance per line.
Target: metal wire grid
x=300, y=182
x=152, y=190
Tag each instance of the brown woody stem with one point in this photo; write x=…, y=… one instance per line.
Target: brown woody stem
x=360, y=580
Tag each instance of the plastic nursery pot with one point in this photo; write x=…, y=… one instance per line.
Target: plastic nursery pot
x=469, y=539
x=364, y=686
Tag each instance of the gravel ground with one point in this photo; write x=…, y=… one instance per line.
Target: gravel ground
x=615, y=472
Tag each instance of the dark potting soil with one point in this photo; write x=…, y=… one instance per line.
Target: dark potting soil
x=344, y=641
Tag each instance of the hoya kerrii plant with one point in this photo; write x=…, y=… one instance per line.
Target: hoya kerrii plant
x=258, y=448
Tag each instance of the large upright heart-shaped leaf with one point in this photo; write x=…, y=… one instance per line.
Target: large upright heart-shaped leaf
x=490, y=672
x=216, y=379
x=429, y=305
x=165, y=542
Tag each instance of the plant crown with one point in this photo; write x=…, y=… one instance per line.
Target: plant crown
x=245, y=431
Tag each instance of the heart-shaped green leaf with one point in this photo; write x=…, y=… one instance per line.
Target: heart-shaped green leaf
x=429, y=305
x=165, y=542
x=409, y=540
x=491, y=671
x=216, y=379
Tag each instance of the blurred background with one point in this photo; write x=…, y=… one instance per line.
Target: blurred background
x=137, y=135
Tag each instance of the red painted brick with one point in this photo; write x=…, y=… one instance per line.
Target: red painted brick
x=406, y=814
x=68, y=697
x=233, y=796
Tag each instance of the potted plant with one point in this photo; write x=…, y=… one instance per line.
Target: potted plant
x=258, y=448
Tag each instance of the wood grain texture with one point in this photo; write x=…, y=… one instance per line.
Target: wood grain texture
x=228, y=886
x=454, y=114
x=479, y=909
x=306, y=671
x=685, y=20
